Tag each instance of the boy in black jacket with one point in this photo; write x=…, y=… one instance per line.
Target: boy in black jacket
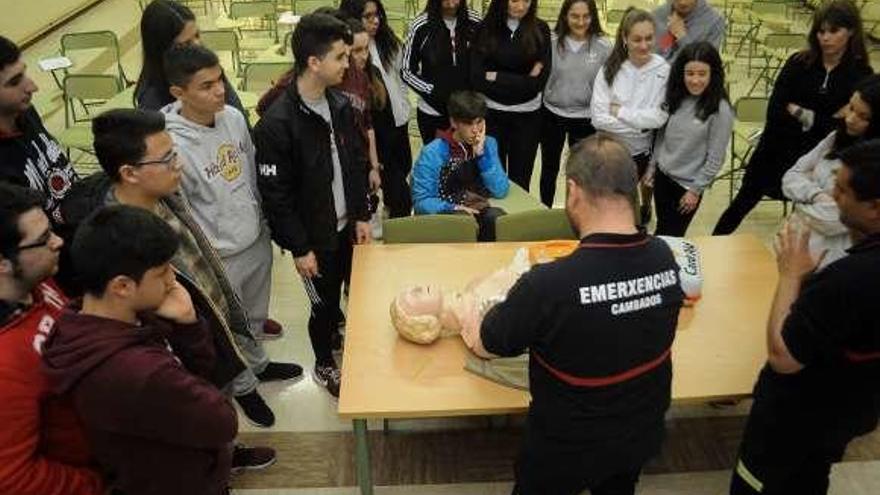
x=29, y=155
x=313, y=178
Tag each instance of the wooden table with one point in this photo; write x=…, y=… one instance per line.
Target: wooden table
x=717, y=353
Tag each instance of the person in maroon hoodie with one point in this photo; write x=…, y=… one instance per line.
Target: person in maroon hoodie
x=155, y=426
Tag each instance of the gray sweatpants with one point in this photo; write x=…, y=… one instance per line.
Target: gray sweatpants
x=250, y=273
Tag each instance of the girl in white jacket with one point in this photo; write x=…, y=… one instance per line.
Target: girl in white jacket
x=810, y=182
x=629, y=91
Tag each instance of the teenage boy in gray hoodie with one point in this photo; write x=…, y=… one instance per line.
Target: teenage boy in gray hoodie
x=680, y=22
x=219, y=183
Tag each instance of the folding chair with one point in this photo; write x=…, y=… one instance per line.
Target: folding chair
x=776, y=49
x=751, y=114
x=260, y=76
x=95, y=40
x=222, y=41
x=430, y=229
x=536, y=225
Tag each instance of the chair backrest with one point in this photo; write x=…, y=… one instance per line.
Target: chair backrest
x=262, y=75
x=262, y=9
x=751, y=109
x=429, y=229
x=223, y=41
x=95, y=88
x=91, y=86
x=614, y=16
x=536, y=225
x=93, y=40
x=785, y=41
x=769, y=8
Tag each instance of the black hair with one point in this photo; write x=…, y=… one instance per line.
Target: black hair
x=15, y=201
x=434, y=9
x=619, y=54
x=120, y=240
x=120, y=137
x=313, y=36
x=869, y=91
x=714, y=94
x=562, y=30
x=182, y=62
x=494, y=27
x=161, y=22
x=9, y=52
x=863, y=161
x=387, y=43
x=837, y=14
x=466, y=106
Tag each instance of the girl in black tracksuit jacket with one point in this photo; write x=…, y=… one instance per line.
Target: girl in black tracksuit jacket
x=510, y=65
x=436, y=61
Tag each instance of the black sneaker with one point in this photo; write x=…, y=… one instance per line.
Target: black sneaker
x=255, y=409
x=280, y=371
x=328, y=377
x=252, y=458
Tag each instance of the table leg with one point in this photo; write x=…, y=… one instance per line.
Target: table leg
x=362, y=457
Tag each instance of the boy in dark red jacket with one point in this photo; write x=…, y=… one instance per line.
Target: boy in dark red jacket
x=155, y=426
x=42, y=447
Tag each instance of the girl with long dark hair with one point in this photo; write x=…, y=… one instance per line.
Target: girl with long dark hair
x=811, y=87
x=810, y=182
x=391, y=123
x=435, y=60
x=510, y=65
x=629, y=91
x=691, y=149
x=580, y=48
x=166, y=23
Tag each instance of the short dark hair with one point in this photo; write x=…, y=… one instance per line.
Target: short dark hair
x=602, y=167
x=863, y=161
x=120, y=136
x=466, y=106
x=15, y=201
x=9, y=52
x=313, y=36
x=120, y=240
x=181, y=62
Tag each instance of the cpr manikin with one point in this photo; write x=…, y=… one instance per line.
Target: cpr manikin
x=424, y=313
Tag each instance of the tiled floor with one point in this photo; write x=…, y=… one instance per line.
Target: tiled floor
x=312, y=439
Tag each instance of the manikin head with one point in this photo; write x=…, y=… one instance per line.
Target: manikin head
x=422, y=314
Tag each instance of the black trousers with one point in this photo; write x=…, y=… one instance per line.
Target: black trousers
x=486, y=222
x=324, y=292
x=618, y=484
x=750, y=193
x=517, y=134
x=554, y=129
x=667, y=194
x=395, y=155
x=430, y=124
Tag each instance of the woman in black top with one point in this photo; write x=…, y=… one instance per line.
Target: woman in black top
x=165, y=23
x=510, y=65
x=811, y=87
x=435, y=60
x=391, y=123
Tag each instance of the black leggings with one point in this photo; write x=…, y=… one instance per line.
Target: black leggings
x=554, y=129
x=430, y=124
x=667, y=195
x=517, y=134
x=395, y=155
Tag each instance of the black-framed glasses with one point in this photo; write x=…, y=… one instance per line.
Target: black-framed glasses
x=167, y=160
x=42, y=241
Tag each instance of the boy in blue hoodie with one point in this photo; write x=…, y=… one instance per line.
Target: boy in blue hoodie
x=460, y=170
